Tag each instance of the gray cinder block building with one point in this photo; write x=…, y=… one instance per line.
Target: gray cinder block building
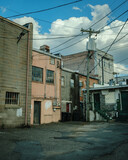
x=15, y=73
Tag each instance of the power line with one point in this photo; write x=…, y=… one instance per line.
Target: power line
x=117, y=35
x=43, y=10
x=112, y=44
x=46, y=21
x=115, y=18
x=78, y=42
x=109, y=13
x=42, y=38
x=115, y=41
x=95, y=23
x=112, y=27
x=70, y=45
x=112, y=66
x=65, y=42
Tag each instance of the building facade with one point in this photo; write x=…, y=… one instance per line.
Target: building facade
x=15, y=73
x=105, y=67
x=108, y=102
x=72, y=84
x=98, y=60
x=46, y=87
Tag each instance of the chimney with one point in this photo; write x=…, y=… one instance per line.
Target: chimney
x=45, y=48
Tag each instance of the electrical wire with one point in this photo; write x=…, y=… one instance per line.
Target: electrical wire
x=108, y=13
x=112, y=44
x=96, y=23
x=43, y=10
x=70, y=45
x=65, y=42
x=86, y=34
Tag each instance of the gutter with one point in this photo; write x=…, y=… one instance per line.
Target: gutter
x=27, y=82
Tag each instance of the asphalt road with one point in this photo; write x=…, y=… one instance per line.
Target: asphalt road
x=66, y=141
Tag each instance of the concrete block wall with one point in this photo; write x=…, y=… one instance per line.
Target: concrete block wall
x=108, y=66
x=78, y=62
x=13, y=71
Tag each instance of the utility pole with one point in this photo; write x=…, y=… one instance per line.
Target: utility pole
x=90, y=47
x=102, y=62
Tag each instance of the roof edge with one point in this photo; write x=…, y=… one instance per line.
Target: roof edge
x=16, y=24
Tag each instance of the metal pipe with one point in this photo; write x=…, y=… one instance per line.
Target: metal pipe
x=27, y=82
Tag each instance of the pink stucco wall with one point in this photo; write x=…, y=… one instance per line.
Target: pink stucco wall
x=44, y=92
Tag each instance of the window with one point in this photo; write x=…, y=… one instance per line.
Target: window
x=99, y=62
x=80, y=83
x=12, y=98
x=50, y=76
x=37, y=74
x=109, y=65
x=72, y=83
x=52, y=60
x=62, y=81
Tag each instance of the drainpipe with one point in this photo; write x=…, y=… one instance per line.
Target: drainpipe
x=27, y=82
x=60, y=93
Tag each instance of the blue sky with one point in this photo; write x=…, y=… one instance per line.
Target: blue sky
x=69, y=20
x=12, y=7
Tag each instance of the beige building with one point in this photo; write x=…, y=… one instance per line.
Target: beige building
x=15, y=73
x=46, y=87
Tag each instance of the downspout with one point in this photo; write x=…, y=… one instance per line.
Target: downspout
x=60, y=94
x=27, y=82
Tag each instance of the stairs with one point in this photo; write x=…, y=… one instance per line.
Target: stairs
x=104, y=114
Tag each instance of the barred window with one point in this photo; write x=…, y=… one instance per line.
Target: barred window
x=11, y=98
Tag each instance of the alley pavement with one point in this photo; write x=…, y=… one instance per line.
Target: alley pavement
x=68, y=140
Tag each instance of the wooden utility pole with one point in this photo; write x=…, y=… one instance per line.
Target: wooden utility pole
x=102, y=62
x=86, y=115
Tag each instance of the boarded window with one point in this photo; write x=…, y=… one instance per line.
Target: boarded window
x=50, y=76
x=11, y=98
x=37, y=74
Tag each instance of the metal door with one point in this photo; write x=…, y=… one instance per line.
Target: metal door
x=124, y=98
x=97, y=101
x=37, y=110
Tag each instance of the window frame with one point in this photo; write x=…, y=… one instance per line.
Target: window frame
x=9, y=98
x=52, y=61
x=35, y=80
x=47, y=81
x=63, y=81
x=72, y=83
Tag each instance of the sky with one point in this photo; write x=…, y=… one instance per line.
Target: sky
x=59, y=27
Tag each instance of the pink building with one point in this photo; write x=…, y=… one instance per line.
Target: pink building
x=46, y=87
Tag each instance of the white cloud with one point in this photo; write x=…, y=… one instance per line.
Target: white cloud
x=121, y=69
x=3, y=9
x=73, y=25
x=98, y=12
x=76, y=8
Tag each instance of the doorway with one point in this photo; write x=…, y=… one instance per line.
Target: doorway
x=37, y=111
x=124, y=98
x=97, y=101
